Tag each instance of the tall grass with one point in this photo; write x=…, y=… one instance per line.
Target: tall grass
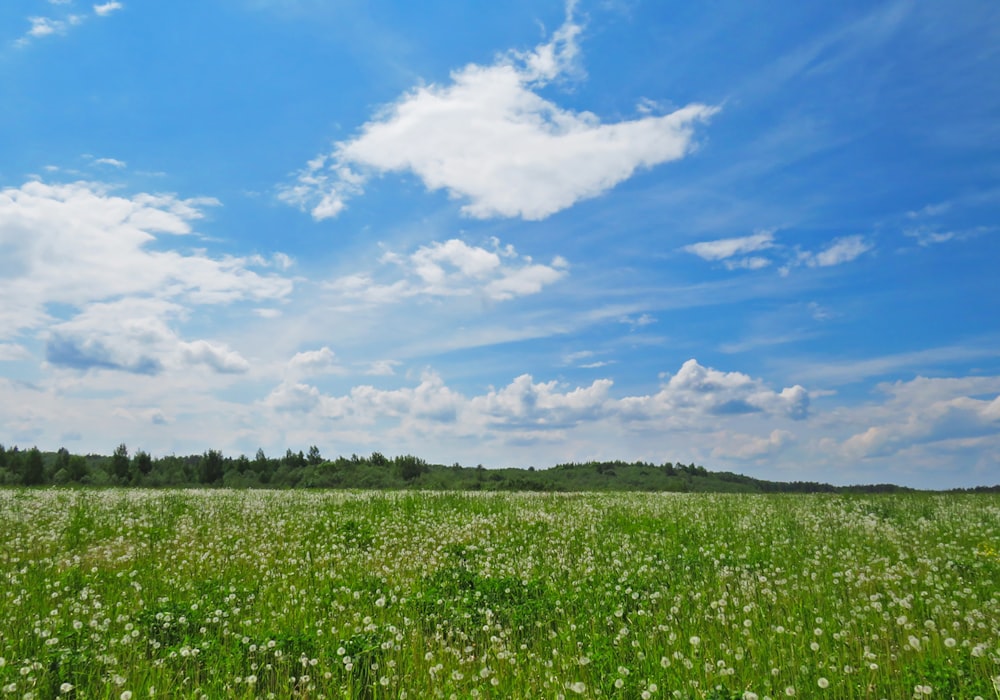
x=243, y=594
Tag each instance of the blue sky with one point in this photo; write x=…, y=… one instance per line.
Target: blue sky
x=759, y=237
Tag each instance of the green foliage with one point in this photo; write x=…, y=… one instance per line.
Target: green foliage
x=301, y=470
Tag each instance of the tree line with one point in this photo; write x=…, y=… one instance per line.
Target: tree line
x=311, y=469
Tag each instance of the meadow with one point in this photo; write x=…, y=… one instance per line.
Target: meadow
x=127, y=594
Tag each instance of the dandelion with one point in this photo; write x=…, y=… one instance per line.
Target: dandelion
x=823, y=683
x=126, y=695
x=65, y=688
x=579, y=687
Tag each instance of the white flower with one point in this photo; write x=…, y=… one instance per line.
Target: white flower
x=823, y=683
x=65, y=687
x=579, y=687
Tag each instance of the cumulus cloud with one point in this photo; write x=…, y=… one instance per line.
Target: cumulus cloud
x=79, y=260
x=703, y=390
x=217, y=356
x=530, y=409
x=322, y=361
x=76, y=244
x=489, y=139
x=453, y=268
x=927, y=410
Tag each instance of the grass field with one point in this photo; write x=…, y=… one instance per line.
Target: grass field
x=245, y=594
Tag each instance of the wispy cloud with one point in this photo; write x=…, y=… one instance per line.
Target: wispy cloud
x=58, y=26
x=105, y=9
x=731, y=252
x=841, y=251
x=724, y=248
x=490, y=139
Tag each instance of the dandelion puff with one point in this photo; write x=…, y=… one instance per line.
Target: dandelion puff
x=126, y=695
x=65, y=687
x=579, y=687
x=823, y=683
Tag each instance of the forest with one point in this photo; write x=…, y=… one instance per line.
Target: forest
x=33, y=467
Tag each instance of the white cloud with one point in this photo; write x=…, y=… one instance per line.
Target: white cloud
x=750, y=447
x=750, y=263
x=311, y=362
x=528, y=409
x=134, y=335
x=490, y=139
x=47, y=26
x=706, y=391
x=840, y=251
x=454, y=268
x=924, y=411
x=113, y=162
x=218, y=356
x=105, y=9
x=10, y=352
x=639, y=321
x=52, y=26
x=77, y=243
x=724, y=248
x=79, y=261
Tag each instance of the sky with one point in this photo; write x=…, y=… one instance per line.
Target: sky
x=761, y=237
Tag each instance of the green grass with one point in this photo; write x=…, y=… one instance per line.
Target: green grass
x=251, y=594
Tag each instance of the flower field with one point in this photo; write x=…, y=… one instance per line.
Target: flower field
x=124, y=594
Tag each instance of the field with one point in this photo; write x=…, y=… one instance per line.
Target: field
x=123, y=594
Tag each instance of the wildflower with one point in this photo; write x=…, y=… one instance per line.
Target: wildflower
x=823, y=683
x=579, y=687
x=126, y=695
x=65, y=687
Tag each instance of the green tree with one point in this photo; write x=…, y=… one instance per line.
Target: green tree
x=211, y=467
x=120, y=464
x=77, y=468
x=409, y=467
x=33, y=472
x=143, y=462
x=314, y=457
